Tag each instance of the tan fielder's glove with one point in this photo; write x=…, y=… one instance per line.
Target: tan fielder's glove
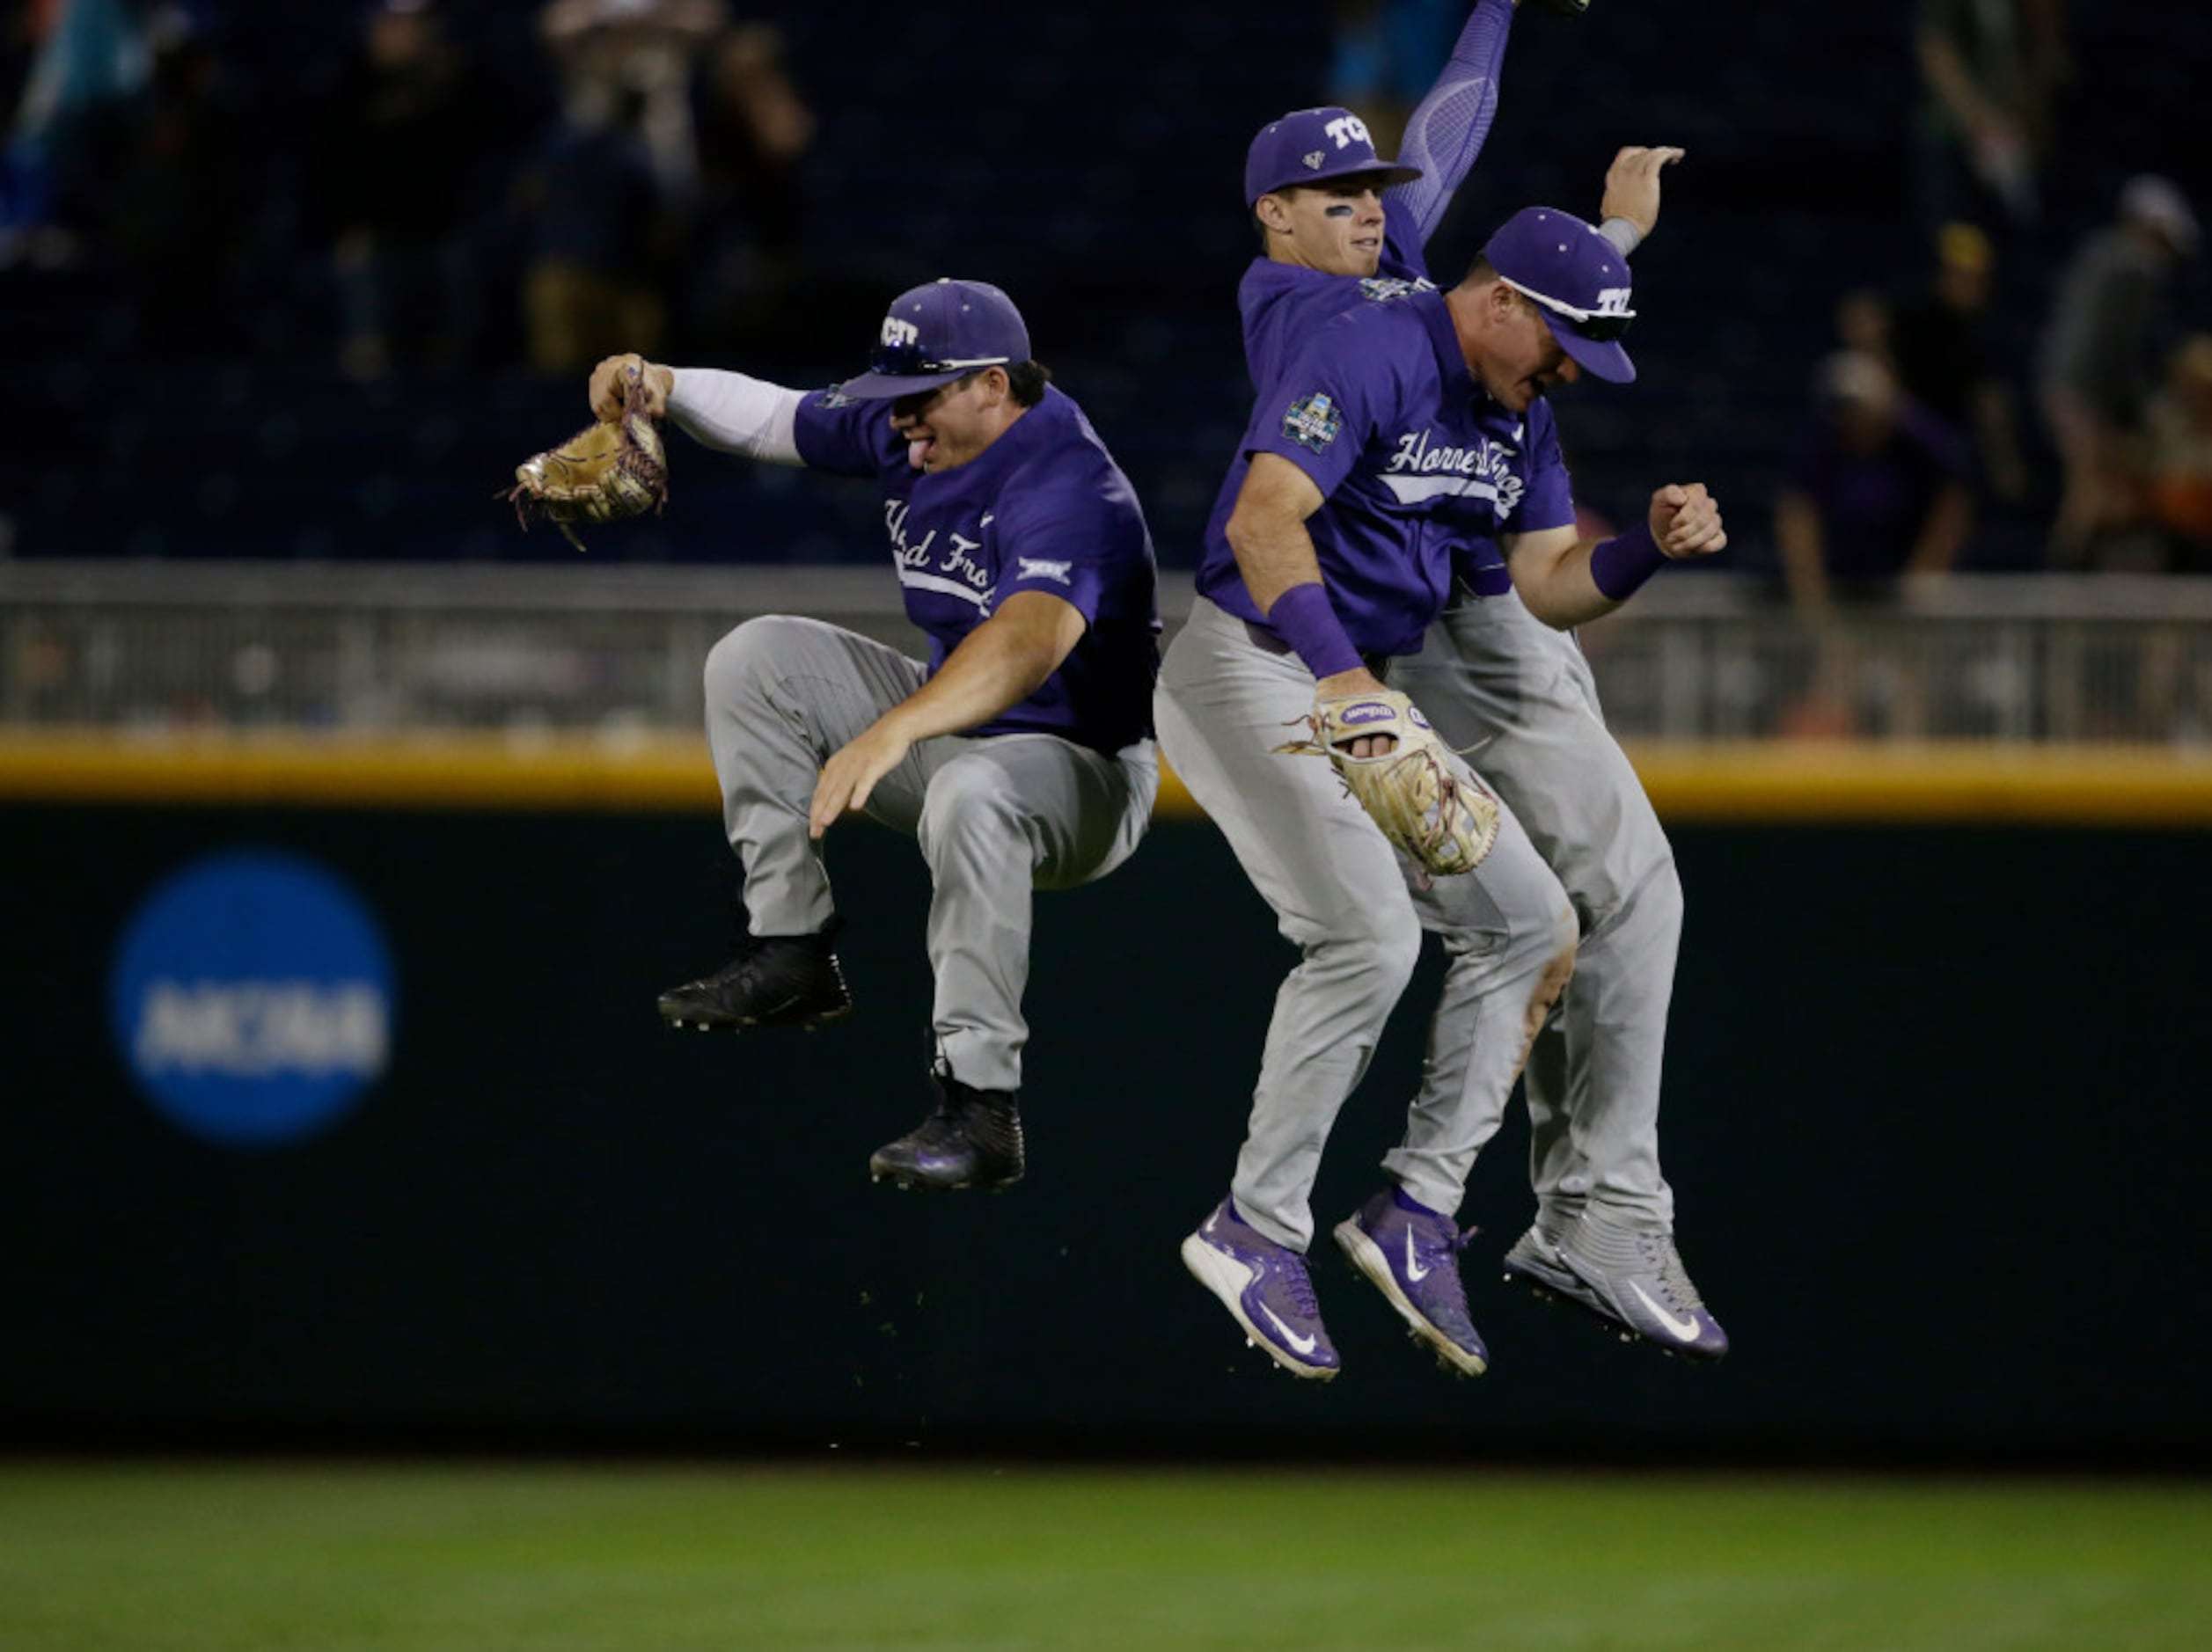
x=1421, y=792
x=617, y=468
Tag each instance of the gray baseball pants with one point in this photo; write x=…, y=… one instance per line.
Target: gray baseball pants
x=996, y=817
x=1520, y=696
x=1354, y=908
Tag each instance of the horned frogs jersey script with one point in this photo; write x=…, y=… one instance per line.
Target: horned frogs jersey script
x=1043, y=508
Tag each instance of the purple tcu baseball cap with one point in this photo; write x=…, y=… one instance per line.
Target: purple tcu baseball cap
x=936, y=334
x=1310, y=145
x=1576, y=277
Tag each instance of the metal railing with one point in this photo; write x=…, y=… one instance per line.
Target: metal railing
x=181, y=646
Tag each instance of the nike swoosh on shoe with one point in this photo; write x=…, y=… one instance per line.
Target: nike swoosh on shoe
x=1682, y=1330
x=1413, y=1269
x=1296, y=1343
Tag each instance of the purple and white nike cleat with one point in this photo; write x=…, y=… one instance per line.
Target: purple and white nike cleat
x=1266, y=1286
x=1632, y=1278
x=1411, y=1253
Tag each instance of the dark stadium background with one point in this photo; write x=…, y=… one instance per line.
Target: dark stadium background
x=1936, y=1091
x=1088, y=159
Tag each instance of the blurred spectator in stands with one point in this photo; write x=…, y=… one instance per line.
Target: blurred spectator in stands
x=607, y=195
x=2103, y=353
x=2180, y=491
x=1878, y=489
x=1990, y=71
x=84, y=58
x=176, y=185
x=649, y=47
x=23, y=25
x=1862, y=322
x=1877, y=493
x=1385, y=55
x=397, y=183
x=1942, y=357
x=752, y=130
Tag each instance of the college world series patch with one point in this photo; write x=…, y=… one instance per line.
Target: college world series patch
x=1313, y=422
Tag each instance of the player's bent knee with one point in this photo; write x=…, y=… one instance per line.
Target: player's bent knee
x=970, y=806
x=760, y=650
x=1379, y=948
x=1652, y=905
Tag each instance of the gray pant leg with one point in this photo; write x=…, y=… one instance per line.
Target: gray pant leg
x=782, y=693
x=1509, y=935
x=1493, y=676
x=1340, y=894
x=1002, y=816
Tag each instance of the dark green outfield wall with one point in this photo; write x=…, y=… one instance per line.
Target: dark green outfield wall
x=1936, y=1122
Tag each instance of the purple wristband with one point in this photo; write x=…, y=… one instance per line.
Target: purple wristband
x=1619, y=566
x=1303, y=617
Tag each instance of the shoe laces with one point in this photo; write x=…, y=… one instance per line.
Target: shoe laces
x=1298, y=1284
x=1666, y=1262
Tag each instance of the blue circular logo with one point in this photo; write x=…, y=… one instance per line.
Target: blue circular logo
x=251, y=998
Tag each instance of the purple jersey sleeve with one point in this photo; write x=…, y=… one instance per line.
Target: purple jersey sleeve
x=1322, y=409
x=1058, y=540
x=846, y=437
x=1549, y=499
x=1447, y=129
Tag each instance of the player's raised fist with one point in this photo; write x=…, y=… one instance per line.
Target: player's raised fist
x=606, y=386
x=1686, y=521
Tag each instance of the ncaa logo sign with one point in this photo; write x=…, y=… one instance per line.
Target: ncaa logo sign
x=251, y=998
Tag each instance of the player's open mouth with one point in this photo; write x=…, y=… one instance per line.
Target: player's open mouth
x=917, y=451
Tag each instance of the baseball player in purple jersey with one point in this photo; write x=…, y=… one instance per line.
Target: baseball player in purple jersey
x=1464, y=480
x=1020, y=754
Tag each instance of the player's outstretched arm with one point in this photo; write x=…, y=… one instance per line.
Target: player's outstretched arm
x=998, y=664
x=1567, y=582
x=1447, y=128
x=728, y=412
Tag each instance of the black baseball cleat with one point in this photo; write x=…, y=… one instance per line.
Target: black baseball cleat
x=971, y=1140
x=773, y=980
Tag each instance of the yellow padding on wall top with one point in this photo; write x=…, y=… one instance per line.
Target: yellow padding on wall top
x=1749, y=782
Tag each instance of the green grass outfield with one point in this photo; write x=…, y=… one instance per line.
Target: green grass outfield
x=556, y=1558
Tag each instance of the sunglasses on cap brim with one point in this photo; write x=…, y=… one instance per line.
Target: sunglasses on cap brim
x=911, y=361
x=1600, y=326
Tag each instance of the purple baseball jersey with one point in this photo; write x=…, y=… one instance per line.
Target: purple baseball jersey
x=1363, y=387
x=1043, y=508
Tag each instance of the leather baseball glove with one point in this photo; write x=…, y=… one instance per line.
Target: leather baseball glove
x=617, y=468
x=1421, y=792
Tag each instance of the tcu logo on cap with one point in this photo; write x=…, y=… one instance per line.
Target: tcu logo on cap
x=896, y=331
x=1612, y=301
x=1348, y=130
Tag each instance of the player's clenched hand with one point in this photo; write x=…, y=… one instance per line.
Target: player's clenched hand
x=851, y=774
x=1686, y=521
x=1632, y=185
x=606, y=386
